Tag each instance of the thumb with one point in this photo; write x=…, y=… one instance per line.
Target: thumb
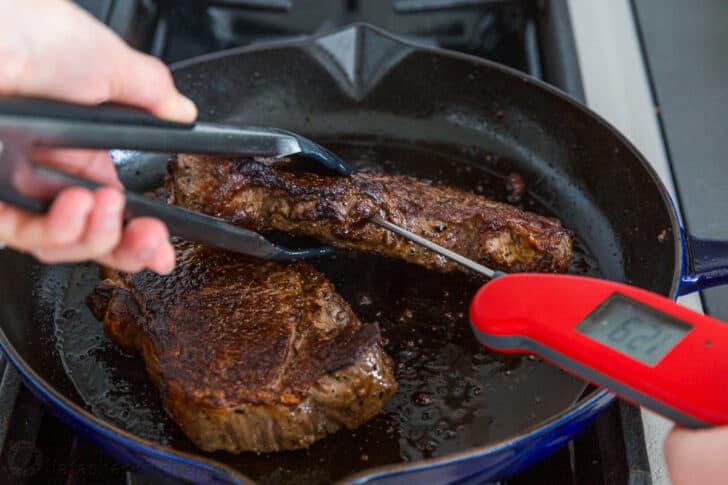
x=697, y=456
x=66, y=54
x=145, y=81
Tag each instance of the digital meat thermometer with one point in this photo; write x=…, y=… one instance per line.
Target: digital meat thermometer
x=642, y=346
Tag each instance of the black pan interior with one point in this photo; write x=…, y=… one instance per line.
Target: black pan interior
x=412, y=111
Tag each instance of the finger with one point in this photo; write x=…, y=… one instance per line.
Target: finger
x=91, y=164
x=141, y=240
x=697, y=456
x=163, y=259
x=63, y=224
x=67, y=217
x=39, y=55
x=145, y=81
x=101, y=234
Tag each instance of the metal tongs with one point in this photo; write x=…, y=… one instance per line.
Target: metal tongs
x=29, y=123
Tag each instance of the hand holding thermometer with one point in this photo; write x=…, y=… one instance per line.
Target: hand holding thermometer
x=642, y=346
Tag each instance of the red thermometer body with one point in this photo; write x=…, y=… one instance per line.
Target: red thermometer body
x=642, y=346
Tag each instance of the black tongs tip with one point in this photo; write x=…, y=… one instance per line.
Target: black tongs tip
x=311, y=149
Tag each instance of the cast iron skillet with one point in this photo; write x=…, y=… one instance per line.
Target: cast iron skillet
x=383, y=104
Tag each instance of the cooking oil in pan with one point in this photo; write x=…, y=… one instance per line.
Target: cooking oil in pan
x=453, y=395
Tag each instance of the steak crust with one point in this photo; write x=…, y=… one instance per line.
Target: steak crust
x=248, y=354
x=261, y=195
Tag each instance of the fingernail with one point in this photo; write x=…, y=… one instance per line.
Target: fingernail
x=167, y=269
x=182, y=109
x=159, y=264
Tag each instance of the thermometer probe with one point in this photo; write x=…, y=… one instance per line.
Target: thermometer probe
x=644, y=347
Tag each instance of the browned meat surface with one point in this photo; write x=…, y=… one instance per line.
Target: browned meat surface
x=264, y=196
x=248, y=354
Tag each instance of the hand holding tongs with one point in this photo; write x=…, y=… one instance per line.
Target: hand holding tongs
x=28, y=123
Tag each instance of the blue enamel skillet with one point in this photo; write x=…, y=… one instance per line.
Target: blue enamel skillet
x=383, y=103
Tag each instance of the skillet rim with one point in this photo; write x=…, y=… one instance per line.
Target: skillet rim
x=581, y=405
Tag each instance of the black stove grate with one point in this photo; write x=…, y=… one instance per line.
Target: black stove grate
x=531, y=35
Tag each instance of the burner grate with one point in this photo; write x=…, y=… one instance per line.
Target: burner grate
x=499, y=30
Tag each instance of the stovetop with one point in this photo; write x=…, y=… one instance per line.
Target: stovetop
x=534, y=36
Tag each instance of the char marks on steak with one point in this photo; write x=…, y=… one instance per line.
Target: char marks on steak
x=248, y=354
x=263, y=196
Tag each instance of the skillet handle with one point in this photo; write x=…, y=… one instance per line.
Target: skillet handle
x=705, y=263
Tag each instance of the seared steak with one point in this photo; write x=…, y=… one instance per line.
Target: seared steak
x=248, y=354
x=264, y=196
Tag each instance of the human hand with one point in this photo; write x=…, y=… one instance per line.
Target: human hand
x=697, y=456
x=54, y=49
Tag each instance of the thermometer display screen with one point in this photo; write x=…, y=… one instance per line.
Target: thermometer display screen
x=635, y=329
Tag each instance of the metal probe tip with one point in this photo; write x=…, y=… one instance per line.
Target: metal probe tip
x=468, y=263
